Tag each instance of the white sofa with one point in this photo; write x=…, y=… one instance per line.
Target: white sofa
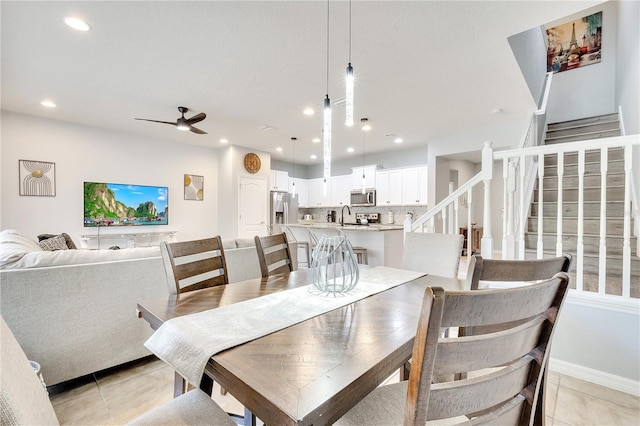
x=74, y=311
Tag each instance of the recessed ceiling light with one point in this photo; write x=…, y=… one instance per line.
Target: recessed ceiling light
x=316, y=140
x=313, y=156
x=223, y=140
x=398, y=140
x=309, y=111
x=48, y=104
x=350, y=149
x=76, y=23
x=279, y=149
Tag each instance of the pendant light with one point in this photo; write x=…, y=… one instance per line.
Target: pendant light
x=365, y=129
x=326, y=129
x=293, y=171
x=349, y=81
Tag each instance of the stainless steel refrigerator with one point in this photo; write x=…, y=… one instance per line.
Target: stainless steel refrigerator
x=284, y=208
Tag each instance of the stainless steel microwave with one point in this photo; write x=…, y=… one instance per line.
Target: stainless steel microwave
x=368, y=198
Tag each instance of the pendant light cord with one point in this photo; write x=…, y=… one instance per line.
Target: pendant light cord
x=327, y=47
x=349, y=31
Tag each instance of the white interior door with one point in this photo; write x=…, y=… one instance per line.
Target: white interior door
x=253, y=206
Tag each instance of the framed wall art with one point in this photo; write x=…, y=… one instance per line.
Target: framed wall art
x=37, y=178
x=193, y=187
x=574, y=44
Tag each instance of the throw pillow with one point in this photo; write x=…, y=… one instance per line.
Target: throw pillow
x=68, y=241
x=14, y=245
x=55, y=243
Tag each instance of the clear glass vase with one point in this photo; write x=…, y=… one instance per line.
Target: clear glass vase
x=334, y=266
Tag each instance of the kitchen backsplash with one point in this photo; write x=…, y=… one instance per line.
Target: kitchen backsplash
x=320, y=214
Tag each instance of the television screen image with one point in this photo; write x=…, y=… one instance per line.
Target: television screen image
x=113, y=204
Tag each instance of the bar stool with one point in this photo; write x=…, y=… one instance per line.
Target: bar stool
x=361, y=255
x=301, y=244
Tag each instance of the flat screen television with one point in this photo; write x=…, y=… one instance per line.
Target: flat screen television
x=114, y=204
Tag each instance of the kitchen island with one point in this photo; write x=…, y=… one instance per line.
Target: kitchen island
x=384, y=243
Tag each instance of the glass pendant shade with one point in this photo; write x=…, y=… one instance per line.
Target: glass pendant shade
x=349, y=96
x=327, y=138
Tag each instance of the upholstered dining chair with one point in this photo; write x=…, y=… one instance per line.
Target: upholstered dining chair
x=24, y=401
x=507, y=367
x=434, y=254
x=274, y=254
x=192, y=265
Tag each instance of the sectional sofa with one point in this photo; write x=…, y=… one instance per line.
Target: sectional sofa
x=74, y=311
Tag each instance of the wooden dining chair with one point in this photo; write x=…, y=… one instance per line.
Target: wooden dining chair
x=506, y=368
x=434, y=254
x=24, y=400
x=192, y=265
x=514, y=270
x=274, y=254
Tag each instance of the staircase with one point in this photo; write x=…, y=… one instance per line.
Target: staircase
x=571, y=131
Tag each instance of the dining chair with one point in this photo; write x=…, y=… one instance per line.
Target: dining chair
x=434, y=254
x=192, y=265
x=514, y=270
x=24, y=400
x=274, y=254
x=506, y=368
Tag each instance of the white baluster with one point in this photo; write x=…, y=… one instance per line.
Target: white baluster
x=523, y=208
x=505, y=207
x=511, y=188
x=486, y=248
x=540, y=246
x=626, y=244
x=455, y=221
x=444, y=220
x=580, y=240
x=560, y=198
x=469, y=209
x=602, y=256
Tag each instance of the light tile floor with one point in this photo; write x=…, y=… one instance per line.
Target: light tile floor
x=119, y=395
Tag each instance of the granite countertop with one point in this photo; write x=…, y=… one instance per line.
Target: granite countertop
x=375, y=227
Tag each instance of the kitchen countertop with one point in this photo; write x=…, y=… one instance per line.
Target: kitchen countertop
x=374, y=227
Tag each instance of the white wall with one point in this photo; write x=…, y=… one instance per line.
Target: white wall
x=231, y=166
x=528, y=47
x=83, y=153
x=587, y=91
x=628, y=68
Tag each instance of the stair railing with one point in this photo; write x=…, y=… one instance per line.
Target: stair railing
x=515, y=235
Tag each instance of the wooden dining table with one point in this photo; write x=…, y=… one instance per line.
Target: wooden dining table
x=313, y=372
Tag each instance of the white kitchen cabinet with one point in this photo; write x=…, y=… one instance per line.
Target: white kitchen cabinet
x=302, y=191
x=279, y=180
x=369, y=177
x=389, y=187
x=414, y=186
x=340, y=190
x=317, y=195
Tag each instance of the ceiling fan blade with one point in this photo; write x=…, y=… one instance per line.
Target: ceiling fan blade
x=156, y=121
x=197, y=118
x=196, y=130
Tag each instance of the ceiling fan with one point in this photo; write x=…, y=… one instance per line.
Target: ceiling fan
x=184, y=123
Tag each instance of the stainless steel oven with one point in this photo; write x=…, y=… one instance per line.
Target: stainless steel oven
x=368, y=198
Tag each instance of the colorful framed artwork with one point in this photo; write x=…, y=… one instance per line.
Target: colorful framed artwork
x=193, y=187
x=37, y=178
x=575, y=44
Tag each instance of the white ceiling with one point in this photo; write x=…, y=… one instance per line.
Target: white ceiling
x=423, y=68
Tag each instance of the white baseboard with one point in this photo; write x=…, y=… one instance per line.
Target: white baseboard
x=598, y=377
